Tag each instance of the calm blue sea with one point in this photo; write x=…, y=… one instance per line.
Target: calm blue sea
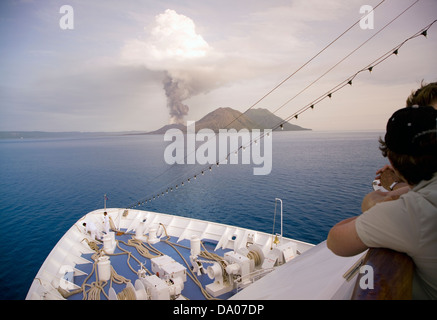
x=48, y=184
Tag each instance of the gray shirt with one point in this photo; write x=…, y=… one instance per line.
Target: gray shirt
x=407, y=225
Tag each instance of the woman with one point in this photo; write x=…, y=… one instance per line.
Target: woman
x=407, y=223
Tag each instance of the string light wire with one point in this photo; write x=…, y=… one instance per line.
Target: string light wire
x=295, y=115
x=286, y=79
x=346, y=57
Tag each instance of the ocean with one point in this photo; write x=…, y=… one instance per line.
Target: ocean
x=48, y=184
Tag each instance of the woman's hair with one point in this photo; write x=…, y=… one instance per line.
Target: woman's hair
x=414, y=168
x=410, y=142
x=426, y=95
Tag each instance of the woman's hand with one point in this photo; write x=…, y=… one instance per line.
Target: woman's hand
x=380, y=196
x=389, y=179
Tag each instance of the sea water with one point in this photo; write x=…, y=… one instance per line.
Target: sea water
x=46, y=185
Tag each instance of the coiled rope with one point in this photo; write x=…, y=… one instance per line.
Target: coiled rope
x=127, y=294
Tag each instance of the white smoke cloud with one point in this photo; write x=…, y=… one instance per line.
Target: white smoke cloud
x=189, y=62
x=175, y=37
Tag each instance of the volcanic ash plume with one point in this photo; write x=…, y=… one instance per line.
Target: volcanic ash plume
x=189, y=64
x=176, y=93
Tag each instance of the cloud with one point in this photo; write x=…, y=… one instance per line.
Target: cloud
x=172, y=42
x=105, y=97
x=174, y=46
x=127, y=71
x=175, y=37
x=190, y=64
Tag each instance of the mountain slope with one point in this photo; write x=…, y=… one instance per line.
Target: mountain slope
x=228, y=118
x=225, y=118
x=266, y=119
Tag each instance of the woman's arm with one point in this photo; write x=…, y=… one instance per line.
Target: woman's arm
x=343, y=239
x=379, y=196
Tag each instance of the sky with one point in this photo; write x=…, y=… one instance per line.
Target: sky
x=107, y=65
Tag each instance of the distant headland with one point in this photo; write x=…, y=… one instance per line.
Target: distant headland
x=221, y=118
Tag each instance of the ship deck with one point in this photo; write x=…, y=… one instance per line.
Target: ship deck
x=155, y=256
x=124, y=257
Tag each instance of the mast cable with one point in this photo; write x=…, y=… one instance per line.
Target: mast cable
x=347, y=56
